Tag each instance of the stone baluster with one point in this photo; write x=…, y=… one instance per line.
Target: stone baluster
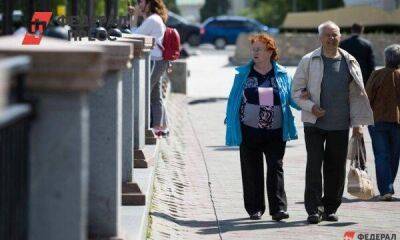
x=106, y=142
x=141, y=92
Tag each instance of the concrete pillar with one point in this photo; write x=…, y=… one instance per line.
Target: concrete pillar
x=178, y=76
x=106, y=146
x=131, y=192
x=60, y=78
x=141, y=56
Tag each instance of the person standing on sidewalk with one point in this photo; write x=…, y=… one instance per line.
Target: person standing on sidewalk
x=383, y=89
x=155, y=16
x=337, y=100
x=260, y=121
x=361, y=49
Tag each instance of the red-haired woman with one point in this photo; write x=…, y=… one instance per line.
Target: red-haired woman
x=260, y=121
x=155, y=15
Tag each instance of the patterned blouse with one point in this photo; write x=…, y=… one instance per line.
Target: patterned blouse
x=261, y=104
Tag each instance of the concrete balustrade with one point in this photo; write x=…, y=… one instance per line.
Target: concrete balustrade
x=106, y=142
x=60, y=79
x=141, y=65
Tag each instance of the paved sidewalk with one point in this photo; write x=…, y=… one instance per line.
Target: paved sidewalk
x=186, y=206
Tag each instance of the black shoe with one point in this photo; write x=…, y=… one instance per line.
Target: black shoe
x=256, y=216
x=280, y=215
x=314, y=218
x=330, y=217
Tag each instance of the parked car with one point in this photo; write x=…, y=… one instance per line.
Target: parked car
x=189, y=32
x=224, y=30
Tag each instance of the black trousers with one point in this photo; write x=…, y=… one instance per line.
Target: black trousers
x=327, y=148
x=254, y=145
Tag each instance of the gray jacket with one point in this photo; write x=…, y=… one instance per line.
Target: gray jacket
x=309, y=75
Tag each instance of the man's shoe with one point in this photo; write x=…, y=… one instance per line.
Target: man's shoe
x=387, y=197
x=280, y=215
x=256, y=216
x=330, y=217
x=314, y=219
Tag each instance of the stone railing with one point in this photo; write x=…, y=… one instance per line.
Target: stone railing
x=91, y=117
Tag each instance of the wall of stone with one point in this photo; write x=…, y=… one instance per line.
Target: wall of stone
x=292, y=46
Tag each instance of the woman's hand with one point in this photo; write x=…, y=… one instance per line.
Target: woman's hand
x=131, y=10
x=134, y=11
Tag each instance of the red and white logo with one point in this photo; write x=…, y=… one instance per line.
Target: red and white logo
x=39, y=22
x=349, y=235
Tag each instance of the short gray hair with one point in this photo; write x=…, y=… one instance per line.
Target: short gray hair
x=392, y=56
x=326, y=24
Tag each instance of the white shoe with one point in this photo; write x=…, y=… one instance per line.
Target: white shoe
x=386, y=197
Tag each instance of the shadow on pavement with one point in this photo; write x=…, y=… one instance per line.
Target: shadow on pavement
x=231, y=225
x=339, y=224
x=239, y=224
x=206, y=100
x=224, y=148
x=374, y=199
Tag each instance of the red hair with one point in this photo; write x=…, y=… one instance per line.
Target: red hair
x=268, y=41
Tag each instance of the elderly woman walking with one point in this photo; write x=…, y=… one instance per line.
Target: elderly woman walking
x=260, y=121
x=383, y=89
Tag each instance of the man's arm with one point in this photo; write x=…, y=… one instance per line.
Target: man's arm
x=299, y=83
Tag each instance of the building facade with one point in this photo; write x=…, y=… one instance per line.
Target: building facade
x=387, y=5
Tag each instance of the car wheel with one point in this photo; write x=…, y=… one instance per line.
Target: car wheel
x=220, y=43
x=194, y=40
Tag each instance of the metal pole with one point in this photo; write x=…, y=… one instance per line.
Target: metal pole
x=320, y=5
x=7, y=17
x=89, y=11
x=44, y=5
x=74, y=7
x=29, y=12
x=111, y=10
x=294, y=5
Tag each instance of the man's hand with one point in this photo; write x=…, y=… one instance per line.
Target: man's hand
x=357, y=132
x=317, y=111
x=305, y=95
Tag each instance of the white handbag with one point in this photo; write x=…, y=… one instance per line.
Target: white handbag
x=359, y=183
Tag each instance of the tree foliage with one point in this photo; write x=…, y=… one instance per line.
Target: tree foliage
x=212, y=8
x=171, y=5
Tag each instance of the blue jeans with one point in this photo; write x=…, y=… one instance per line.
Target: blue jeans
x=386, y=145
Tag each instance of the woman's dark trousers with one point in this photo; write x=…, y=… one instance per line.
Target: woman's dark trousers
x=254, y=145
x=326, y=150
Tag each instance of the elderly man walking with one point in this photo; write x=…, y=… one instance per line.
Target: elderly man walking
x=335, y=101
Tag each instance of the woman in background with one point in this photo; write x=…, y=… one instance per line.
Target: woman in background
x=155, y=15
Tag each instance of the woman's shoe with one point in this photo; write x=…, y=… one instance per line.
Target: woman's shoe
x=314, y=218
x=256, y=216
x=280, y=215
